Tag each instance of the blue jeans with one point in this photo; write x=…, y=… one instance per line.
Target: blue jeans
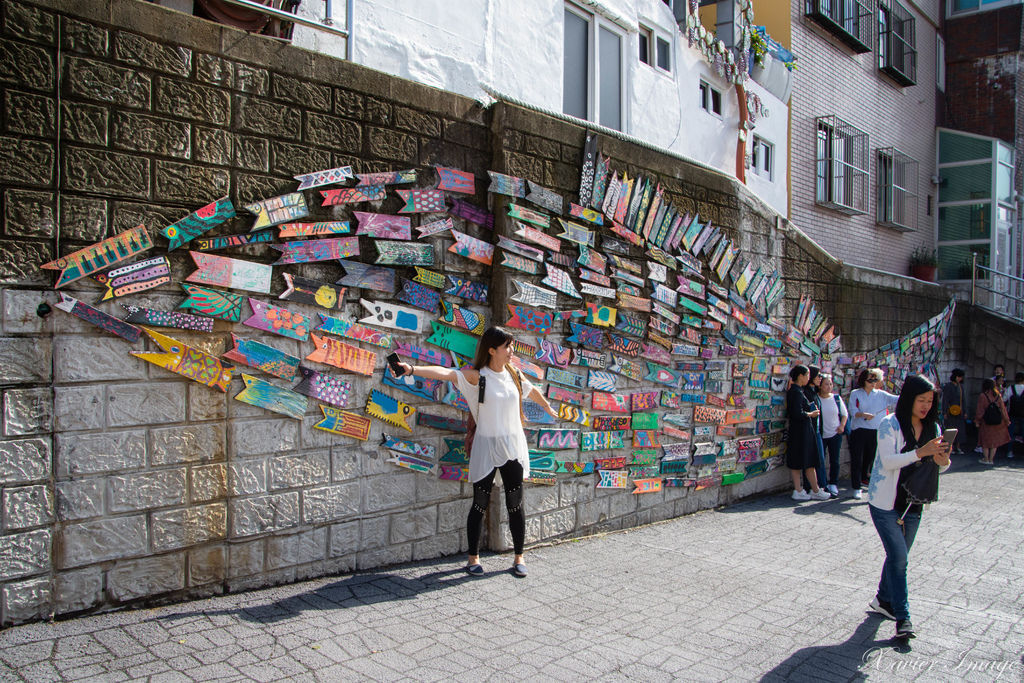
x=832, y=445
x=896, y=540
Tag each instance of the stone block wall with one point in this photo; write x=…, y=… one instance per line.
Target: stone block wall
x=121, y=482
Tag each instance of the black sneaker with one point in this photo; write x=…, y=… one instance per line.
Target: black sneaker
x=882, y=607
x=904, y=629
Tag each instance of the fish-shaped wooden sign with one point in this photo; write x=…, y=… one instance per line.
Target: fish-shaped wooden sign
x=530, y=319
x=187, y=361
x=330, y=351
x=389, y=410
x=467, y=289
x=105, y=322
x=532, y=295
x=182, y=321
x=344, y=423
x=278, y=320
x=351, y=330
x=313, y=229
x=404, y=253
x=328, y=176
x=100, y=256
x=388, y=177
x=462, y=317
x=221, y=271
x=306, y=291
x=213, y=303
x=454, y=180
x=280, y=209
x=392, y=316
x=263, y=236
x=353, y=195
x=452, y=339
x=135, y=277
x=383, y=226
x=263, y=394
x=472, y=248
x=262, y=357
x=365, y=276
x=324, y=387
x=198, y=222
x=422, y=201
x=435, y=227
x=310, y=251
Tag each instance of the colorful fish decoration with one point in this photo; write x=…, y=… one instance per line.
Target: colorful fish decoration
x=422, y=201
x=281, y=209
x=262, y=357
x=134, y=278
x=472, y=248
x=263, y=394
x=186, y=361
x=277, y=320
x=198, y=222
x=213, y=303
x=462, y=317
x=365, y=276
x=182, y=321
x=310, y=251
x=393, y=316
x=222, y=271
x=327, y=176
x=351, y=330
x=105, y=322
x=306, y=291
x=353, y=195
x=529, y=319
x=263, y=236
x=101, y=255
x=344, y=423
x=383, y=226
x=341, y=355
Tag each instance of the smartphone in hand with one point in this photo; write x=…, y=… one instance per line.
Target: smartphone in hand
x=949, y=436
x=393, y=361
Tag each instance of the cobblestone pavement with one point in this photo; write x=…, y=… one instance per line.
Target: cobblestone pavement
x=763, y=590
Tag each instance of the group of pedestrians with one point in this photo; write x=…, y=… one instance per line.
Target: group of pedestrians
x=818, y=420
x=998, y=413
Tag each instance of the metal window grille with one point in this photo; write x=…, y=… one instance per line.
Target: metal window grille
x=842, y=166
x=897, y=202
x=847, y=20
x=897, y=51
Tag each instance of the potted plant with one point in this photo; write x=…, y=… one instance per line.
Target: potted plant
x=923, y=264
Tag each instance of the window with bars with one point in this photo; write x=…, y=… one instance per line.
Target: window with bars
x=842, y=166
x=897, y=51
x=896, y=203
x=847, y=20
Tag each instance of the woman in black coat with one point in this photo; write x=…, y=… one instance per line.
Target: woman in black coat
x=802, y=447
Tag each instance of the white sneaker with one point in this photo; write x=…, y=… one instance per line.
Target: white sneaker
x=857, y=494
x=820, y=494
x=799, y=494
x=833, y=489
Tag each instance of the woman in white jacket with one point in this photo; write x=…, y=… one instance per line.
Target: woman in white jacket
x=904, y=438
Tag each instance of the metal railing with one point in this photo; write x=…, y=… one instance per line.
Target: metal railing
x=326, y=24
x=999, y=293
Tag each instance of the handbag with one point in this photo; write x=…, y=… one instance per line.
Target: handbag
x=839, y=407
x=920, y=481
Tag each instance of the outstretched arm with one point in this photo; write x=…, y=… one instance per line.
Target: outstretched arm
x=537, y=397
x=439, y=372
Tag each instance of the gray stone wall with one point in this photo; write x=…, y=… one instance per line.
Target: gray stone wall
x=122, y=482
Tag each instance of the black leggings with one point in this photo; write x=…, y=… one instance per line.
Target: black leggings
x=863, y=444
x=512, y=480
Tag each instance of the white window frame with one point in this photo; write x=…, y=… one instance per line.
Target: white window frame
x=707, y=92
x=940, y=62
x=766, y=171
x=647, y=33
x=654, y=39
x=595, y=23
x=668, y=43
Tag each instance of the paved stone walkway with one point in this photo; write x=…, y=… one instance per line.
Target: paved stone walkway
x=763, y=590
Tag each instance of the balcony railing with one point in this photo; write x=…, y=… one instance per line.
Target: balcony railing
x=847, y=20
x=999, y=293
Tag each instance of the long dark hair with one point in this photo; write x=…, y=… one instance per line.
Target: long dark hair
x=493, y=338
x=914, y=386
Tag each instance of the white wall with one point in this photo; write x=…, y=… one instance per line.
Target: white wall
x=515, y=47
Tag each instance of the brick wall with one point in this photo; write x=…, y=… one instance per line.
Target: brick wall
x=122, y=482
x=831, y=79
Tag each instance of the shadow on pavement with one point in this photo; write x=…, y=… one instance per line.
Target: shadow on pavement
x=855, y=659
x=352, y=591
x=837, y=506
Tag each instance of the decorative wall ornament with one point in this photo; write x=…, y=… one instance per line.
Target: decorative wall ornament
x=99, y=256
x=327, y=176
x=182, y=321
x=472, y=248
x=263, y=236
x=429, y=356
x=404, y=253
x=557, y=393
x=472, y=213
x=510, y=245
x=422, y=201
x=222, y=271
x=506, y=184
x=602, y=381
x=213, y=303
x=603, y=441
x=613, y=479
x=199, y=221
x=565, y=378
x=277, y=320
x=529, y=319
x=574, y=414
x=262, y=357
x=553, y=354
x=588, y=359
x=263, y=394
x=353, y=195
x=388, y=178
x=450, y=424
x=418, y=386
x=309, y=251
x=454, y=180
x=574, y=232
x=186, y=361
x=365, y=276
x=452, y=339
x=419, y=296
x=330, y=351
x=93, y=316
x=351, y=330
x=467, y=289
x=558, y=439
x=544, y=198
x=306, y=291
x=435, y=227
x=462, y=317
x=280, y=209
x=344, y=423
x=135, y=277
x=383, y=225
x=602, y=316
x=520, y=263
x=537, y=237
x=392, y=316
x=526, y=215
x=560, y=280
x=614, y=403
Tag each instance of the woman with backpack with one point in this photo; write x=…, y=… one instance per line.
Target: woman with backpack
x=834, y=417
x=494, y=391
x=1014, y=397
x=992, y=421
x=908, y=437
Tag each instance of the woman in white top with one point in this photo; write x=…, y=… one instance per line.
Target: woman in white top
x=869, y=404
x=833, y=423
x=494, y=391
x=910, y=435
